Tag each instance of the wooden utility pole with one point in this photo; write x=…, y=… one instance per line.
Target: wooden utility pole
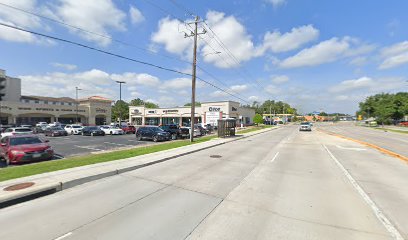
x=193, y=78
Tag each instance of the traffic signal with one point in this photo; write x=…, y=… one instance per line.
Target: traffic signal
x=2, y=87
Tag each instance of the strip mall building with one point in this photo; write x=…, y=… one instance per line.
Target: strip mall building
x=207, y=113
x=18, y=109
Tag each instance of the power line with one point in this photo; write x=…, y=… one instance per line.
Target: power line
x=115, y=55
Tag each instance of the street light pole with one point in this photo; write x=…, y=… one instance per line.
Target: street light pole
x=120, y=100
x=77, y=103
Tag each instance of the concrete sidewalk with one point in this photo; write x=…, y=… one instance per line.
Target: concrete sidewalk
x=48, y=183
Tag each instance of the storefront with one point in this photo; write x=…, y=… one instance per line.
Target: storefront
x=207, y=113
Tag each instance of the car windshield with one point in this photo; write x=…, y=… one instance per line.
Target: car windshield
x=24, y=141
x=305, y=123
x=157, y=129
x=76, y=126
x=22, y=130
x=56, y=129
x=93, y=128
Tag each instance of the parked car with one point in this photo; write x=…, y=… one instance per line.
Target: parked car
x=38, y=129
x=55, y=131
x=152, y=132
x=129, y=129
x=403, y=124
x=305, y=126
x=40, y=124
x=92, y=131
x=16, y=131
x=112, y=130
x=175, y=131
x=24, y=148
x=26, y=126
x=201, y=129
x=73, y=129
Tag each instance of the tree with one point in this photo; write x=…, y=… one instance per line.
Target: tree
x=197, y=104
x=140, y=102
x=323, y=114
x=120, y=107
x=258, y=119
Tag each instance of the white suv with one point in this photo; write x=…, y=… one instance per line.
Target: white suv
x=73, y=129
x=15, y=131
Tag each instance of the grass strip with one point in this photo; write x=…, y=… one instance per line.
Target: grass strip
x=254, y=128
x=51, y=166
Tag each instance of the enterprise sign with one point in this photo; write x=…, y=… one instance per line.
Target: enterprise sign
x=214, y=109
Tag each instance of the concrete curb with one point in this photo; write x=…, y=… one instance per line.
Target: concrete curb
x=52, y=182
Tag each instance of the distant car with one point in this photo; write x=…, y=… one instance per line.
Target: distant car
x=92, y=131
x=201, y=129
x=73, y=129
x=129, y=129
x=38, y=129
x=305, y=126
x=152, y=132
x=54, y=124
x=403, y=124
x=16, y=131
x=55, y=131
x=26, y=126
x=112, y=130
x=41, y=124
x=24, y=148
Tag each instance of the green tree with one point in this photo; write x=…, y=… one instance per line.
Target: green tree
x=140, y=102
x=120, y=108
x=197, y=104
x=323, y=114
x=258, y=119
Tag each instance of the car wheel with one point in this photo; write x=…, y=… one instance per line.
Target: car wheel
x=52, y=135
x=111, y=133
x=138, y=137
x=6, y=160
x=155, y=139
x=72, y=132
x=173, y=136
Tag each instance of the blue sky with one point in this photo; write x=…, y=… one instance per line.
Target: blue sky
x=316, y=55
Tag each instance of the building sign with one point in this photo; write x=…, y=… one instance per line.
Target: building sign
x=214, y=109
x=136, y=112
x=151, y=112
x=212, y=118
x=234, y=109
x=170, y=111
x=100, y=110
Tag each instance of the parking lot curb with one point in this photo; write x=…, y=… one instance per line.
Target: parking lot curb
x=47, y=183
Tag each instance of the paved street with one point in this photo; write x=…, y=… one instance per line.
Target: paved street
x=283, y=184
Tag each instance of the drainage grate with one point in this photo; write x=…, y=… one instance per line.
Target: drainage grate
x=19, y=186
x=215, y=156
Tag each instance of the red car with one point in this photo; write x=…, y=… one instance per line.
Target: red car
x=24, y=148
x=129, y=129
x=404, y=124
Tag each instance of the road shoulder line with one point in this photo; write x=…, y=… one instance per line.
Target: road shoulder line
x=378, y=213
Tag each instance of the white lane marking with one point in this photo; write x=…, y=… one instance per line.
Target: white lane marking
x=378, y=213
x=89, y=148
x=130, y=140
x=64, y=236
x=274, y=158
x=350, y=148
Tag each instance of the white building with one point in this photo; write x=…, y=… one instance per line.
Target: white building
x=207, y=113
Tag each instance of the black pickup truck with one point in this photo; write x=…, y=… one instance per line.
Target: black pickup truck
x=176, y=131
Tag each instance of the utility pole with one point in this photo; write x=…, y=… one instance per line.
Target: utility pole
x=193, y=79
x=77, y=103
x=120, y=100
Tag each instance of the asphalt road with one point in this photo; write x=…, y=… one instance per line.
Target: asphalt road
x=396, y=142
x=283, y=184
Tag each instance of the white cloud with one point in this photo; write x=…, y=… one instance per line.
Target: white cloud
x=137, y=79
x=324, y=52
x=99, y=17
x=233, y=34
x=278, y=42
x=394, y=55
x=369, y=85
x=176, y=84
x=218, y=94
x=278, y=79
x=169, y=34
x=359, y=61
x=272, y=89
x=65, y=66
x=277, y=3
x=253, y=98
x=135, y=15
x=238, y=88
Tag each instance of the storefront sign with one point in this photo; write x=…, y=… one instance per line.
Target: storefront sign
x=212, y=118
x=214, y=109
x=234, y=109
x=170, y=111
x=100, y=110
x=151, y=112
x=136, y=112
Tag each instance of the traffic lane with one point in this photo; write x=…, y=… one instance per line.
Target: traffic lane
x=396, y=142
x=145, y=207
x=297, y=192
x=380, y=175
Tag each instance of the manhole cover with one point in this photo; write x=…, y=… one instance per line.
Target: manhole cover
x=19, y=186
x=215, y=156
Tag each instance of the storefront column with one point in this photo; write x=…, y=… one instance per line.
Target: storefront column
x=181, y=121
x=143, y=121
x=14, y=119
x=160, y=120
